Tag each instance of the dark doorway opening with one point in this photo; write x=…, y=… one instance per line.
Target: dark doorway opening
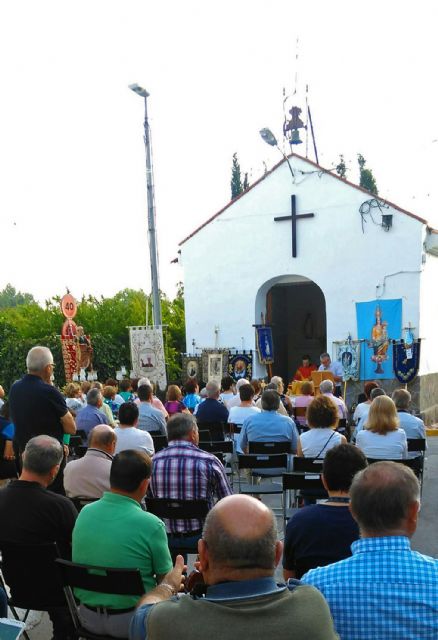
x=298, y=315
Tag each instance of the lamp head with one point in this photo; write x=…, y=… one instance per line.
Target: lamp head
x=268, y=137
x=139, y=90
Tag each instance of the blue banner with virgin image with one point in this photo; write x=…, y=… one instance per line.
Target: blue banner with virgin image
x=378, y=323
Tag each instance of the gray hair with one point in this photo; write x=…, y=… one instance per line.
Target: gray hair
x=375, y=393
x=143, y=382
x=324, y=355
x=213, y=388
x=326, y=386
x=240, y=553
x=278, y=380
x=41, y=454
x=402, y=398
x=270, y=400
x=180, y=425
x=38, y=358
x=93, y=397
x=381, y=495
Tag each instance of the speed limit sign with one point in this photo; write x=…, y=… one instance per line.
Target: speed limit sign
x=68, y=306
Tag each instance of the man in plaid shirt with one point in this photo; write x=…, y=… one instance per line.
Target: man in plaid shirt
x=385, y=591
x=184, y=472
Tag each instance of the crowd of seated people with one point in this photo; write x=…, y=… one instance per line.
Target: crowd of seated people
x=333, y=540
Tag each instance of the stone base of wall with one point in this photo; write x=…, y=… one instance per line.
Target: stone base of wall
x=424, y=391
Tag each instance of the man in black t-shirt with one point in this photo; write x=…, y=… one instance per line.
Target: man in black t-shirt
x=29, y=514
x=37, y=408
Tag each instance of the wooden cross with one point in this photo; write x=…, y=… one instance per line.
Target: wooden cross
x=294, y=217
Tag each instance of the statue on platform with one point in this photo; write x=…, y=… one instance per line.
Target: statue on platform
x=84, y=351
x=379, y=341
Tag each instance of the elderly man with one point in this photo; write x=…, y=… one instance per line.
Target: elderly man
x=414, y=427
x=268, y=426
x=36, y=407
x=29, y=514
x=156, y=402
x=211, y=410
x=235, y=402
x=385, y=590
x=89, y=476
x=336, y=369
x=128, y=435
x=116, y=532
x=281, y=408
x=326, y=388
x=185, y=472
x=149, y=418
x=91, y=415
x=238, y=554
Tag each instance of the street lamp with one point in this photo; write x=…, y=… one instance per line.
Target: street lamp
x=270, y=139
x=152, y=233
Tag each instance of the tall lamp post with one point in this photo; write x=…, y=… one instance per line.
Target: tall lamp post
x=152, y=233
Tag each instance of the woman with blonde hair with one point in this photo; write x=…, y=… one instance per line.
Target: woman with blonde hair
x=382, y=438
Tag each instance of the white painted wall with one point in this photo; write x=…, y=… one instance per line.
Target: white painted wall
x=429, y=316
x=231, y=263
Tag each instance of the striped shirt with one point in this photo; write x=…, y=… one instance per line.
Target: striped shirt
x=385, y=591
x=184, y=472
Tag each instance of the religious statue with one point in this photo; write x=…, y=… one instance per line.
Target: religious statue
x=379, y=341
x=84, y=350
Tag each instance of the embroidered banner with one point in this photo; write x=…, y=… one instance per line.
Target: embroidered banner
x=378, y=322
x=214, y=364
x=240, y=365
x=191, y=367
x=264, y=344
x=348, y=354
x=406, y=358
x=147, y=354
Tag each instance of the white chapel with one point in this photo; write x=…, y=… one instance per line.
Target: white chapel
x=299, y=248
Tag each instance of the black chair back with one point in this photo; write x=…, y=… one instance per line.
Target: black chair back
x=216, y=429
x=204, y=436
x=223, y=446
x=81, y=501
x=263, y=461
x=417, y=444
x=307, y=465
x=126, y=582
x=160, y=442
x=177, y=509
x=301, y=481
x=413, y=463
x=269, y=447
x=29, y=571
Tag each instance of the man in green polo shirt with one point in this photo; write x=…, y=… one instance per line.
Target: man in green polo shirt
x=116, y=532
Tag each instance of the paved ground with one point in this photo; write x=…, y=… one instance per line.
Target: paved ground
x=425, y=539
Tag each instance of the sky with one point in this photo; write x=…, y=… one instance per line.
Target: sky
x=73, y=206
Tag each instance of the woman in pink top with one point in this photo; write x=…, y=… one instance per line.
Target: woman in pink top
x=303, y=401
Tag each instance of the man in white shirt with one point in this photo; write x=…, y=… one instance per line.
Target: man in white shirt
x=128, y=436
x=326, y=389
x=336, y=369
x=246, y=407
x=89, y=476
x=236, y=400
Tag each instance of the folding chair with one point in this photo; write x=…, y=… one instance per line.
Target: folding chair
x=418, y=445
x=125, y=582
x=173, y=509
x=415, y=464
x=298, y=482
x=30, y=573
x=343, y=428
x=160, y=442
x=216, y=429
x=310, y=467
x=204, y=435
x=224, y=448
x=274, y=464
x=81, y=501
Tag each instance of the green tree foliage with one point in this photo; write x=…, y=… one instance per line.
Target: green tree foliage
x=341, y=167
x=367, y=180
x=9, y=297
x=106, y=320
x=236, y=178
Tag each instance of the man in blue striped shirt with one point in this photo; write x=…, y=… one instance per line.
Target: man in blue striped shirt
x=385, y=590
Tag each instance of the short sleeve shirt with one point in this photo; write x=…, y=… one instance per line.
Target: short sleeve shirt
x=36, y=409
x=116, y=532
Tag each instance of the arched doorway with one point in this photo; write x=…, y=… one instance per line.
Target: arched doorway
x=295, y=307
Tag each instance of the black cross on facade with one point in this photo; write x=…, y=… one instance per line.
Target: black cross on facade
x=294, y=217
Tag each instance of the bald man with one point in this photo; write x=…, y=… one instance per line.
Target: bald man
x=238, y=554
x=89, y=476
